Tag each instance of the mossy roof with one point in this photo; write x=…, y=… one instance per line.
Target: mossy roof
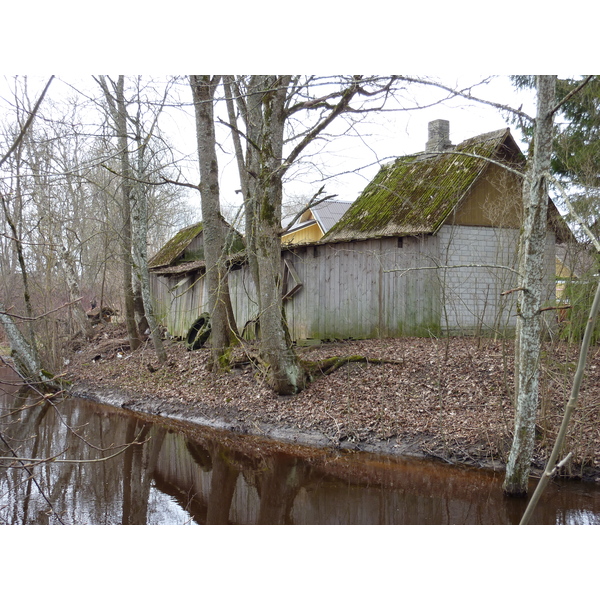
x=175, y=247
x=416, y=194
x=173, y=258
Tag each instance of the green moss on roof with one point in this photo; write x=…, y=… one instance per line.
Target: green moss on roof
x=176, y=246
x=416, y=194
x=175, y=250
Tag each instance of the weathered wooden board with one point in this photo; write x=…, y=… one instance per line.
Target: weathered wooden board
x=385, y=287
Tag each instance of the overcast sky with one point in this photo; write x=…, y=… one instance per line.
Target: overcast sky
x=346, y=164
x=451, y=41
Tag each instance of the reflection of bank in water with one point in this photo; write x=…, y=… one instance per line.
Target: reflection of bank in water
x=173, y=472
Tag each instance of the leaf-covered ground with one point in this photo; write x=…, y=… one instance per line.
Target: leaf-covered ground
x=450, y=398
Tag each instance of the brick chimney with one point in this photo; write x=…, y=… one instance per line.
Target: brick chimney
x=439, y=136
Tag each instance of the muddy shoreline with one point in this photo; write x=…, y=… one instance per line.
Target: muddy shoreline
x=167, y=409
x=444, y=399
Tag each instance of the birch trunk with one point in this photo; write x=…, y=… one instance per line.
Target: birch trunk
x=532, y=276
x=24, y=355
x=140, y=255
x=74, y=294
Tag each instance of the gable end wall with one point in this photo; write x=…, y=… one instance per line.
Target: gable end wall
x=472, y=287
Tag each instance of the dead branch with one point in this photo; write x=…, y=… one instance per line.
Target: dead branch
x=519, y=289
x=465, y=266
x=27, y=123
x=555, y=307
x=43, y=315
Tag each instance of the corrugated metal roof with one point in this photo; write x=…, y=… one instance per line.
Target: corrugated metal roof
x=329, y=212
x=416, y=194
x=326, y=215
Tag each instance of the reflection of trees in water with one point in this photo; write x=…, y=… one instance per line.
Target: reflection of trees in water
x=21, y=437
x=278, y=487
x=217, y=478
x=139, y=464
x=74, y=492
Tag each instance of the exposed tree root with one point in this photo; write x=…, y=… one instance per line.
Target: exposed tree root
x=315, y=369
x=329, y=365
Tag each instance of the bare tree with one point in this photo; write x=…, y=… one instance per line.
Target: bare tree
x=267, y=106
x=135, y=211
x=531, y=285
x=223, y=329
x=115, y=100
x=25, y=351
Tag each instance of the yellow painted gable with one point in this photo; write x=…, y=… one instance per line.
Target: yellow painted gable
x=311, y=233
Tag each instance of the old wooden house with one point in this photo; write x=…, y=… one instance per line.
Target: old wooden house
x=177, y=277
x=428, y=246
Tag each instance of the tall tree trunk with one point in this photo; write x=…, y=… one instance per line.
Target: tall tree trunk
x=254, y=126
x=266, y=104
x=532, y=269
x=118, y=112
x=286, y=375
x=223, y=328
x=127, y=199
x=140, y=256
x=74, y=294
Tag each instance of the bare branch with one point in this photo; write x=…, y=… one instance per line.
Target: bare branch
x=518, y=289
x=468, y=96
x=180, y=183
x=21, y=318
x=34, y=462
x=27, y=123
x=465, y=266
x=490, y=160
x=341, y=107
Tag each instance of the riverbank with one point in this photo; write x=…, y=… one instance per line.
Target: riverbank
x=446, y=398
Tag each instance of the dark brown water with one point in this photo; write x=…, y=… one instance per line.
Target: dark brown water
x=165, y=472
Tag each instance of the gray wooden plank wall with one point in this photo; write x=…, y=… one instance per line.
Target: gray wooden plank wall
x=370, y=289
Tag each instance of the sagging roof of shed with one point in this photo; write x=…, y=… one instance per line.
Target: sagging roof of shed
x=174, y=256
x=175, y=247
x=185, y=268
x=416, y=194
